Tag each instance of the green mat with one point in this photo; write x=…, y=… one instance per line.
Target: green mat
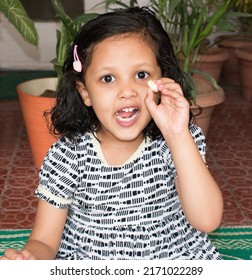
x=14, y=238
x=234, y=243
x=10, y=79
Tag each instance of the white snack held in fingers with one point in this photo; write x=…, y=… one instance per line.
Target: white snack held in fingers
x=152, y=86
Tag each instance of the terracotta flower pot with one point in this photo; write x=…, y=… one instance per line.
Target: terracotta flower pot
x=211, y=62
x=33, y=107
x=230, y=69
x=207, y=98
x=244, y=56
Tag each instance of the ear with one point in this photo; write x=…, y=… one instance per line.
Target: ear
x=84, y=93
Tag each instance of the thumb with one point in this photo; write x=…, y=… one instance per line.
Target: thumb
x=150, y=102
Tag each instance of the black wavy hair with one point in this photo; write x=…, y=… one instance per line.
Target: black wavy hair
x=70, y=117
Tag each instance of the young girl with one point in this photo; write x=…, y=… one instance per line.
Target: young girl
x=127, y=179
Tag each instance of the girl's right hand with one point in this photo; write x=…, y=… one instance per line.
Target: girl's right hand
x=13, y=254
x=171, y=114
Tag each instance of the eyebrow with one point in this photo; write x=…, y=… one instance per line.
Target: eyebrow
x=140, y=65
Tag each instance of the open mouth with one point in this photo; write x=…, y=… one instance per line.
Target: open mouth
x=127, y=116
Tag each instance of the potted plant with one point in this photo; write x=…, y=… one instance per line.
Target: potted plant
x=38, y=95
x=243, y=51
x=189, y=24
x=17, y=15
x=241, y=17
x=210, y=61
x=244, y=57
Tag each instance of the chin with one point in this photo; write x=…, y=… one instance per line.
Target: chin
x=128, y=135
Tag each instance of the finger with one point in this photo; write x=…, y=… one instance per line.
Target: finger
x=27, y=255
x=10, y=252
x=173, y=97
x=150, y=103
x=3, y=258
x=19, y=256
x=171, y=88
x=174, y=94
x=164, y=80
x=166, y=83
x=13, y=254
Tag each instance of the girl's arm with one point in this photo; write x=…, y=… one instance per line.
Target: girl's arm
x=44, y=241
x=199, y=194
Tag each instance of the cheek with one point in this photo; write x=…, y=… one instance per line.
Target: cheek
x=101, y=105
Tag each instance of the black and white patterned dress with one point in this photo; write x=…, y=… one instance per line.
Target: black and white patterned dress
x=131, y=211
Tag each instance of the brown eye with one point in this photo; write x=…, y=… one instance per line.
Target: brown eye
x=142, y=75
x=107, y=79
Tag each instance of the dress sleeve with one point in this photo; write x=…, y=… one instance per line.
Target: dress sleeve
x=58, y=177
x=169, y=166
x=199, y=139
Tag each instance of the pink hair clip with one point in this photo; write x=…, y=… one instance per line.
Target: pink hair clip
x=77, y=66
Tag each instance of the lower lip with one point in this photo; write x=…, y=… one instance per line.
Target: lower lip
x=128, y=123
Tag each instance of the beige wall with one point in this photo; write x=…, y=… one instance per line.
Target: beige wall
x=15, y=53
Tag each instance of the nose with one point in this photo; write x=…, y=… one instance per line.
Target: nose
x=127, y=90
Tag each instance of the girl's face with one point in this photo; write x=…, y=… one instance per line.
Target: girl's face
x=116, y=86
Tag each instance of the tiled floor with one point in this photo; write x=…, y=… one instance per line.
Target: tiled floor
x=229, y=158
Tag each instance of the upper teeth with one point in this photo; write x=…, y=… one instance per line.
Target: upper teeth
x=128, y=109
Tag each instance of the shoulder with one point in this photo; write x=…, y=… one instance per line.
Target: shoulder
x=66, y=152
x=159, y=148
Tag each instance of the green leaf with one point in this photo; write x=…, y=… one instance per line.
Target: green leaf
x=213, y=21
x=67, y=21
x=172, y=5
x=68, y=30
x=195, y=31
x=119, y=3
x=206, y=75
x=16, y=14
x=82, y=19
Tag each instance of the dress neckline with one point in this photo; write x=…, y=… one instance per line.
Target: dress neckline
x=134, y=156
